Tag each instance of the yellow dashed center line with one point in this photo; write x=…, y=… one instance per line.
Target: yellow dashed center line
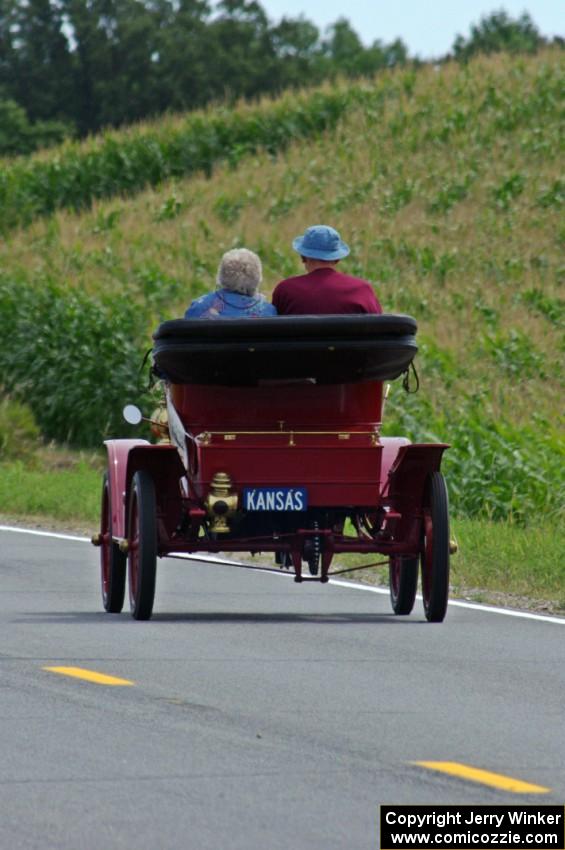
x=88, y=675
x=485, y=777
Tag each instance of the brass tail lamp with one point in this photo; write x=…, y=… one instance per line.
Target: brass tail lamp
x=221, y=503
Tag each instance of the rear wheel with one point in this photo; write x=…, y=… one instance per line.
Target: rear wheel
x=403, y=575
x=435, y=549
x=142, y=550
x=112, y=559
x=283, y=560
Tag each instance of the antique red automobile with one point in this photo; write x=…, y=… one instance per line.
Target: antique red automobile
x=274, y=445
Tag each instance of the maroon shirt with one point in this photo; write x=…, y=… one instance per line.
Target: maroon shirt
x=324, y=291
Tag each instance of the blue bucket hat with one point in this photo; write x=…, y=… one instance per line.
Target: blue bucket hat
x=321, y=242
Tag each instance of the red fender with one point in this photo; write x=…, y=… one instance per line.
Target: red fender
x=391, y=447
x=407, y=480
x=162, y=461
x=412, y=465
x=118, y=453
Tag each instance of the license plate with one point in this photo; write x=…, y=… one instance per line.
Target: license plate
x=275, y=499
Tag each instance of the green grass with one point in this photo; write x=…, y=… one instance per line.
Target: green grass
x=504, y=558
x=65, y=495
x=496, y=562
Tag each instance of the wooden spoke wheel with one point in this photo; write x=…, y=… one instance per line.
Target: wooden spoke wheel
x=403, y=577
x=435, y=549
x=112, y=560
x=142, y=549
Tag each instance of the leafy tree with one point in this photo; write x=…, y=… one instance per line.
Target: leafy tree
x=347, y=54
x=396, y=53
x=182, y=55
x=99, y=63
x=296, y=37
x=127, y=94
x=296, y=43
x=499, y=32
x=344, y=45
x=244, y=56
x=379, y=56
x=35, y=60
x=19, y=136
x=115, y=42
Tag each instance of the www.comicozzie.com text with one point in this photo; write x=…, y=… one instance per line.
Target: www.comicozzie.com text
x=443, y=819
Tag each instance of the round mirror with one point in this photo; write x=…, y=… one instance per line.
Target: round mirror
x=132, y=414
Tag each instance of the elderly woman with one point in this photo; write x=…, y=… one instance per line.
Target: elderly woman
x=237, y=296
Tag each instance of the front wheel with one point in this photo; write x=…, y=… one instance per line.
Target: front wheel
x=112, y=559
x=403, y=576
x=435, y=549
x=142, y=549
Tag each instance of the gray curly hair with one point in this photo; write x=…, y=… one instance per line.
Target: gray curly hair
x=240, y=271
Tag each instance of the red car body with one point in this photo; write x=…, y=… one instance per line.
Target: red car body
x=275, y=446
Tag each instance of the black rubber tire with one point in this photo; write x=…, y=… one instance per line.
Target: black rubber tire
x=112, y=559
x=435, y=549
x=283, y=560
x=142, y=553
x=403, y=580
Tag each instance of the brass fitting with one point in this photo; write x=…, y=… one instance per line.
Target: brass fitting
x=96, y=539
x=123, y=546
x=221, y=503
x=453, y=546
x=160, y=424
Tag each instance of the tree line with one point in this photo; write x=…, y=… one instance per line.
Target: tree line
x=72, y=67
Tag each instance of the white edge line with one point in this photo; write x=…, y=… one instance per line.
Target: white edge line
x=351, y=585
x=187, y=556
x=44, y=533
x=456, y=603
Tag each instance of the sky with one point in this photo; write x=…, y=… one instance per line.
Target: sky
x=427, y=28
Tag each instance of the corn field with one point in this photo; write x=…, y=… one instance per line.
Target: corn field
x=446, y=182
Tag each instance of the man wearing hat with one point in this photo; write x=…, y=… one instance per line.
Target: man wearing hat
x=323, y=289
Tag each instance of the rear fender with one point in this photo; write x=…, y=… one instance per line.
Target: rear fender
x=404, y=490
x=163, y=464
x=391, y=447
x=125, y=458
x=118, y=453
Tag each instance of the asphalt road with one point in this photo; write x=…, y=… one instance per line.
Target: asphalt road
x=261, y=715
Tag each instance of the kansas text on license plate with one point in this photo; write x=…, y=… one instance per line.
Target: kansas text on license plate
x=275, y=499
